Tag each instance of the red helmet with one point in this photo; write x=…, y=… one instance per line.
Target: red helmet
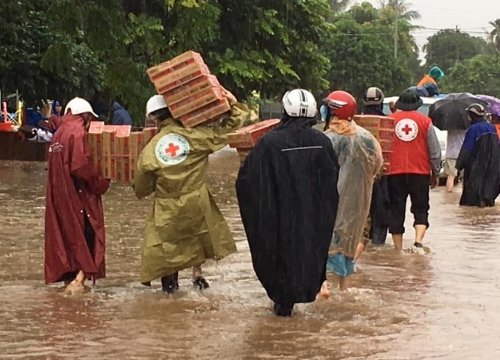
x=341, y=104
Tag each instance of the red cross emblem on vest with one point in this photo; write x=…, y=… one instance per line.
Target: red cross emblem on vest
x=406, y=129
x=172, y=149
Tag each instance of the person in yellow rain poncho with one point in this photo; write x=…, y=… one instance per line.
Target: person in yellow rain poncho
x=185, y=226
x=360, y=159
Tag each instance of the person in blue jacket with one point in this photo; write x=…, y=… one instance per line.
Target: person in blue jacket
x=120, y=115
x=479, y=157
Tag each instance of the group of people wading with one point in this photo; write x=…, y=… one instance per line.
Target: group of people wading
x=304, y=195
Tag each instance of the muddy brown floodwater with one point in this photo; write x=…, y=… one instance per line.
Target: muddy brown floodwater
x=440, y=306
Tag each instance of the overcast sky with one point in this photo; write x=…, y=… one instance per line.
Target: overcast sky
x=471, y=16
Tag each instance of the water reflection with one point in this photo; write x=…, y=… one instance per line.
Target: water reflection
x=440, y=306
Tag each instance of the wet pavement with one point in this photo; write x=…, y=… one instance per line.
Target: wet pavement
x=440, y=306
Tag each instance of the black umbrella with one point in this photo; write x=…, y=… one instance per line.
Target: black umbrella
x=449, y=112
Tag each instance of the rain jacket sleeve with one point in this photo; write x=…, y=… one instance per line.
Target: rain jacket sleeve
x=82, y=169
x=434, y=150
x=216, y=136
x=464, y=157
x=145, y=178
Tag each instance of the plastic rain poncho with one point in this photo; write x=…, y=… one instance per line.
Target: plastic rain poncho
x=360, y=159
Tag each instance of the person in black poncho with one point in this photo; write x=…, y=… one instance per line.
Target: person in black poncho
x=287, y=193
x=480, y=160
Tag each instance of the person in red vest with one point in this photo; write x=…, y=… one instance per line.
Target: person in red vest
x=415, y=164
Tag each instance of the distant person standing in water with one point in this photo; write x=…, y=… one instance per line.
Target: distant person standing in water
x=453, y=146
x=480, y=160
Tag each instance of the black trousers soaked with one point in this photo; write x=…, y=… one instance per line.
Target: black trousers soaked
x=400, y=187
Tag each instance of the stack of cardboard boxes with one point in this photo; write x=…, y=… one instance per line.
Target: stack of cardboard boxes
x=191, y=93
x=245, y=138
x=382, y=128
x=115, y=149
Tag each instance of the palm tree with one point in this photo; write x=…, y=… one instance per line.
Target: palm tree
x=403, y=12
x=495, y=33
x=402, y=9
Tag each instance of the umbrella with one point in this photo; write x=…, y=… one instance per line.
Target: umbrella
x=449, y=112
x=493, y=104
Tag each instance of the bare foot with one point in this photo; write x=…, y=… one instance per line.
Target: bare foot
x=323, y=292
x=76, y=288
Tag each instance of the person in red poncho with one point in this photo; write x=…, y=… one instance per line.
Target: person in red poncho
x=74, y=219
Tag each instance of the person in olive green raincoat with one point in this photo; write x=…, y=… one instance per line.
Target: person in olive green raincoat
x=185, y=226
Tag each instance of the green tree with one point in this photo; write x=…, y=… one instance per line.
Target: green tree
x=270, y=47
x=478, y=75
x=362, y=55
x=449, y=46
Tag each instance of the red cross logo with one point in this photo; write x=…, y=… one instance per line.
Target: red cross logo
x=172, y=149
x=407, y=129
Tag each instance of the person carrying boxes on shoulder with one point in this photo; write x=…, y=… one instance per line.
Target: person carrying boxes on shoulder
x=185, y=227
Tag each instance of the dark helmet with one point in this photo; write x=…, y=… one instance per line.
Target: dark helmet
x=373, y=96
x=409, y=100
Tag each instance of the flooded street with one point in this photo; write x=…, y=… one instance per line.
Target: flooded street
x=441, y=306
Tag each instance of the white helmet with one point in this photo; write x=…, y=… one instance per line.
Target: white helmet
x=155, y=103
x=79, y=106
x=299, y=103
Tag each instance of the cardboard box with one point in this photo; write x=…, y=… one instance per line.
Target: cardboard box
x=122, y=145
x=374, y=121
x=387, y=162
x=95, y=144
x=193, y=87
x=115, y=149
x=136, y=143
x=381, y=127
x=206, y=114
x=148, y=134
x=123, y=168
x=387, y=156
x=108, y=152
x=384, y=135
x=123, y=130
x=96, y=127
x=386, y=145
x=136, y=146
x=180, y=77
x=176, y=63
x=197, y=101
x=133, y=167
x=247, y=136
